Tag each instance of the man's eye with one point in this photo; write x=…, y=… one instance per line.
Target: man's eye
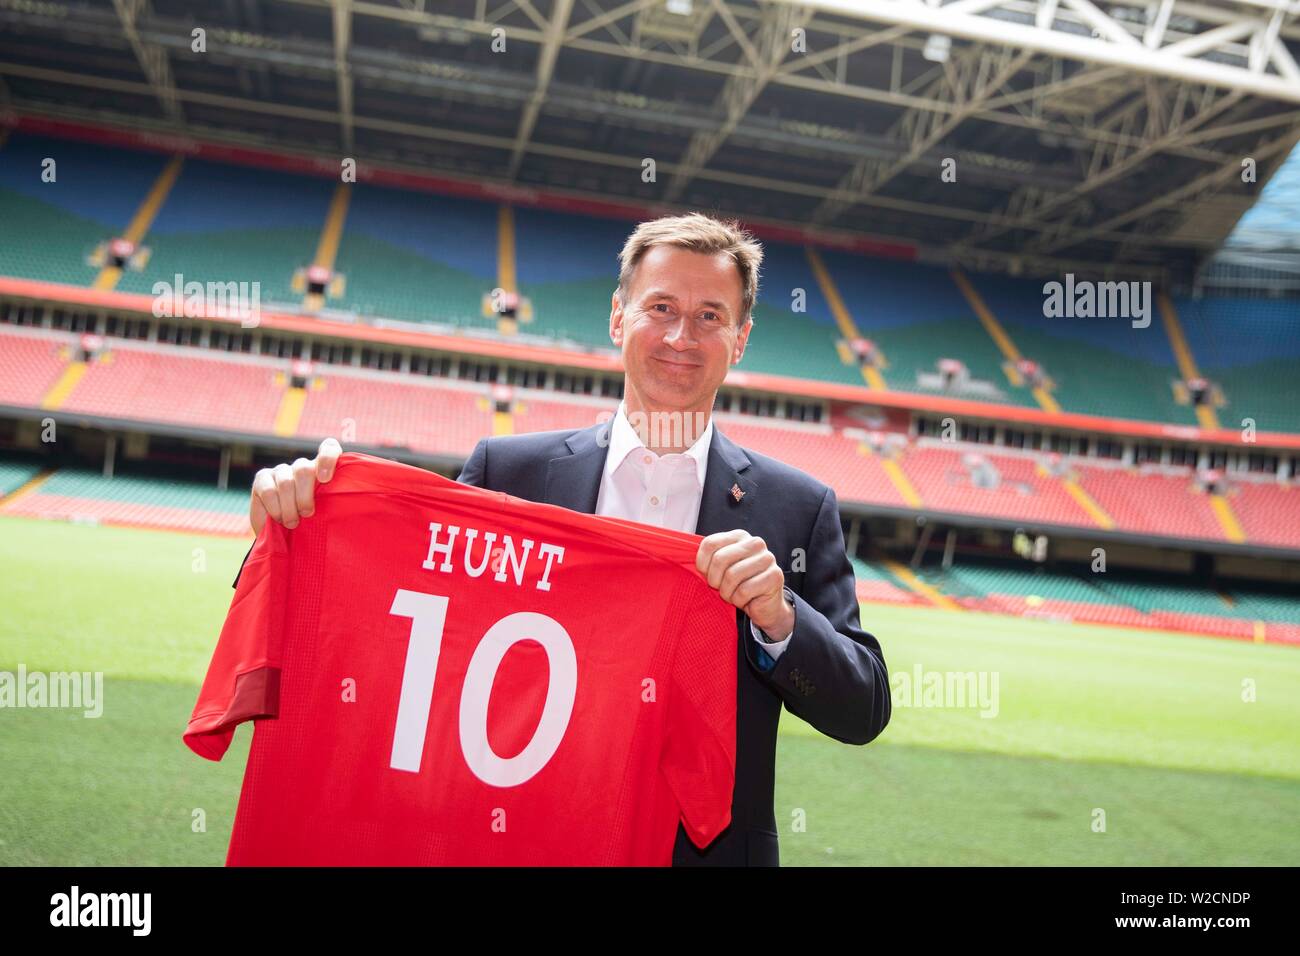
x=712, y=316
x=660, y=305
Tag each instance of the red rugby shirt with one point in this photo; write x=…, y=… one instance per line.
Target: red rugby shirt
x=538, y=687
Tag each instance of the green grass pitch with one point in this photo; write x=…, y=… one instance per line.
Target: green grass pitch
x=1149, y=729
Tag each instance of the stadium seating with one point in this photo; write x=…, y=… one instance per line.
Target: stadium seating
x=916, y=315
x=876, y=585
x=375, y=410
x=948, y=480
x=139, y=381
x=92, y=198
x=420, y=257
x=785, y=342
x=533, y=413
x=86, y=496
x=1151, y=501
x=30, y=363
x=1103, y=366
x=417, y=257
x=179, y=387
x=1261, y=606
x=1115, y=599
x=222, y=223
x=1250, y=348
x=1269, y=512
x=843, y=464
x=14, y=474
x=567, y=267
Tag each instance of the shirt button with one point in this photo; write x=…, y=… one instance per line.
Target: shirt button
x=654, y=500
x=646, y=459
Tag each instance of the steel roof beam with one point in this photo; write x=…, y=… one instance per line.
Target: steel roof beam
x=151, y=58
x=972, y=20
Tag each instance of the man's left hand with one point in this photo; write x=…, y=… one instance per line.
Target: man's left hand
x=746, y=574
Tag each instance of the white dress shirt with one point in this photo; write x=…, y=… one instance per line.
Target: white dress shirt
x=662, y=490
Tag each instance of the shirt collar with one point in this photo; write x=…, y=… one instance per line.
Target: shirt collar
x=623, y=440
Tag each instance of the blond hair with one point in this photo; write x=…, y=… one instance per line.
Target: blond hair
x=698, y=233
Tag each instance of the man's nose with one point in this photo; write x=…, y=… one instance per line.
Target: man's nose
x=681, y=334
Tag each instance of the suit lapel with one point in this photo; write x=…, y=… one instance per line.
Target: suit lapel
x=573, y=481
x=721, y=508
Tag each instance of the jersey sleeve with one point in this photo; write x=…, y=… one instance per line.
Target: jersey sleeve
x=243, y=679
x=699, y=758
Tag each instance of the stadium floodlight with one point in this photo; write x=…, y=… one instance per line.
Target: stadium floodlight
x=682, y=8
x=937, y=47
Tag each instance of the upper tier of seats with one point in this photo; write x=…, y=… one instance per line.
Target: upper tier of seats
x=224, y=223
x=1100, y=365
x=419, y=257
x=1251, y=349
x=64, y=198
x=916, y=316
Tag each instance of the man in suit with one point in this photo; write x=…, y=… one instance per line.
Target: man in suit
x=772, y=545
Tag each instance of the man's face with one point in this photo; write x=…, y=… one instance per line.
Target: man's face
x=680, y=330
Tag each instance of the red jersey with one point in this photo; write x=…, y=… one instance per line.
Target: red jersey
x=445, y=675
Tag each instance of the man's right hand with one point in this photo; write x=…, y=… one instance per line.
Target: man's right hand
x=287, y=493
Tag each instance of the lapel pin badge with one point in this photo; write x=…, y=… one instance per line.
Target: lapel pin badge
x=736, y=492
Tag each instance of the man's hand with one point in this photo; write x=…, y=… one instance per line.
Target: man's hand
x=286, y=493
x=746, y=574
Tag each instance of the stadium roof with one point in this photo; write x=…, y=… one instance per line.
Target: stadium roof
x=1082, y=135
x=1273, y=223
x=1262, y=255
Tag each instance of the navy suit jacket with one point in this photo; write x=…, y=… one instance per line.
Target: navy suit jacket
x=832, y=674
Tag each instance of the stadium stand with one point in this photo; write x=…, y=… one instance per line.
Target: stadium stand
x=423, y=416
x=30, y=363
x=1250, y=348
x=534, y=413
x=417, y=257
x=974, y=482
x=13, y=475
x=129, y=380
x=1103, y=366
x=1269, y=512
x=876, y=584
x=64, y=219
x=916, y=315
x=799, y=344
x=1128, y=601
x=177, y=387
x=404, y=255
x=85, y=496
x=1152, y=501
x=398, y=255
x=854, y=473
x=225, y=223
x=567, y=268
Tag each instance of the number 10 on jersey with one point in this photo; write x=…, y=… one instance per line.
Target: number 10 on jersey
x=428, y=614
